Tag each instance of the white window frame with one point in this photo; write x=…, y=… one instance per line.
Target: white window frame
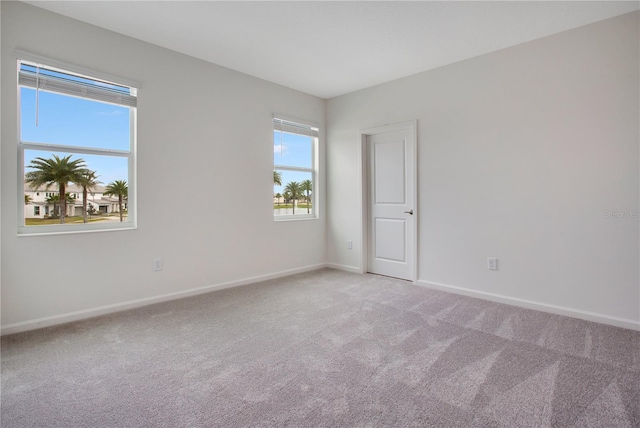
x=302, y=127
x=130, y=155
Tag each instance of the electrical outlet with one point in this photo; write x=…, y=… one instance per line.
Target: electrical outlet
x=492, y=264
x=157, y=264
x=349, y=245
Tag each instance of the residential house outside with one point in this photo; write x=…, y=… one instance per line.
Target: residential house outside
x=38, y=207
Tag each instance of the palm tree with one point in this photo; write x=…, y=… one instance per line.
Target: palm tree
x=293, y=187
x=88, y=180
x=120, y=189
x=278, y=196
x=69, y=199
x=52, y=171
x=27, y=199
x=307, y=186
x=277, y=178
x=54, y=200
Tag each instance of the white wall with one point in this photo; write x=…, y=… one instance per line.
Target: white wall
x=521, y=152
x=204, y=145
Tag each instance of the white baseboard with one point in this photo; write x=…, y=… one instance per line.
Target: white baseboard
x=352, y=269
x=131, y=304
x=544, y=307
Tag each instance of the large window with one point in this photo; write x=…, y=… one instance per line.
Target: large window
x=76, y=148
x=294, y=169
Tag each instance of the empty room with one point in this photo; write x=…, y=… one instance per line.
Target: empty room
x=338, y=214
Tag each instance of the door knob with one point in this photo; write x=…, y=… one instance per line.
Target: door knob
x=409, y=212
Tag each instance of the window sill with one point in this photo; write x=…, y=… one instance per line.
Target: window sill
x=28, y=231
x=294, y=218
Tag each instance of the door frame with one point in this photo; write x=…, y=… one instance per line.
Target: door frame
x=412, y=126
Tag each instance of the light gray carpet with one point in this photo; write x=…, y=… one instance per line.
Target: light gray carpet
x=325, y=348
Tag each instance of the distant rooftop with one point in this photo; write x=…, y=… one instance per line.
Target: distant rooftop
x=71, y=188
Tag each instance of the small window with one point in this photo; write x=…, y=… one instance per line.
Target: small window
x=77, y=146
x=36, y=210
x=294, y=169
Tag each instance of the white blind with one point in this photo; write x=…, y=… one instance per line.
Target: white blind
x=294, y=128
x=55, y=81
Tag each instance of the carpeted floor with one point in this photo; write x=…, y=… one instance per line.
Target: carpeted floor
x=325, y=348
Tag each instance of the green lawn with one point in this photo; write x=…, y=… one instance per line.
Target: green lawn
x=67, y=220
x=276, y=206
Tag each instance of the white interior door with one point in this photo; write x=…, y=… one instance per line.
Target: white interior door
x=391, y=210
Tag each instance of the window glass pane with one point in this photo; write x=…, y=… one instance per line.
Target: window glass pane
x=100, y=207
x=284, y=203
x=70, y=121
x=292, y=149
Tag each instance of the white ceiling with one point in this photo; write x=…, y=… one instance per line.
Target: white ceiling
x=331, y=48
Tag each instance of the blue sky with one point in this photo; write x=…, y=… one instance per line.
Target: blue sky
x=291, y=150
x=70, y=121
